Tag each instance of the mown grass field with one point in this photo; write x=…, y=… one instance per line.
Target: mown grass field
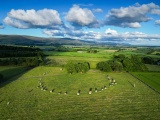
x=151, y=78
x=100, y=54
x=62, y=60
x=11, y=71
x=153, y=68
x=21, y=99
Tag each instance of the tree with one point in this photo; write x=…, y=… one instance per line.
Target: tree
x=70, y=66
x=127, y=64
x=148, y=60
x=138, y=65
x=115, y=65
x=119, y=57
x=1, y=77
x=104, y=66
x=77, y=67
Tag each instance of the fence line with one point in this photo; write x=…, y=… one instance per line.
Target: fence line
x=144, y=82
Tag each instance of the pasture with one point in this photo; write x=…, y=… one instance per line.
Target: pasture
x=153, y=68
x=12, y=71
x=151, y=78
x=128, y=99
x=62, y=60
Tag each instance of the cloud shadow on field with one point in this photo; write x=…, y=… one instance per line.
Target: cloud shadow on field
x=13, y=74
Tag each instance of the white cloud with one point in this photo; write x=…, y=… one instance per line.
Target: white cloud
x=111, y=32
x=1, y=26
x=33, y=19
x=131, y=16
x=97, y=10
x=107, y=36
x=157, y=22
x=81, y=17
x=156, y=11
x=131, y=25
x=53, y=32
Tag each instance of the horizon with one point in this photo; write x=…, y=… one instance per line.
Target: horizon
x=133, y=22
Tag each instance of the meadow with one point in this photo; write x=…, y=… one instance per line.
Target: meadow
x=61, y=58
x=22, y=96
x=21, y=99
x=150, y=78
x=12, y=71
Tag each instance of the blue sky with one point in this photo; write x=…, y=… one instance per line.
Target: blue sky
x=120, y=21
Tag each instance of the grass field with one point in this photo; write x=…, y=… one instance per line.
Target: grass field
x=101, y=54
x=152, y=78
x=11, y=71
x=61, y=60
x=21, y=99
x=154, y=68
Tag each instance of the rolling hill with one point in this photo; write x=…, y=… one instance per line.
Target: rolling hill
x=31, y=40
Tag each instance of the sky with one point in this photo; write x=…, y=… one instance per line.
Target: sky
x=119, y=21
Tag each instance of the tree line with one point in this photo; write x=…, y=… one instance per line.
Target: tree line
x=20, y=56
x=117, y=63
x=120, y=63
x=18, y=51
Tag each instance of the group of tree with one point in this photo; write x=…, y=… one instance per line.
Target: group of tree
x=20, y=56
x=76, y=67
x=60, y=48
x=1, y=77
x=111, y=65
x=92, y=51
x=120, y=63
x=26, y=61
x=18, y=51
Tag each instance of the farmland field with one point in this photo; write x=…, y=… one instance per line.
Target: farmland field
x=21, y=99
x=61, y=60
x=153, y=67
x=153, y=79
x=11, y=71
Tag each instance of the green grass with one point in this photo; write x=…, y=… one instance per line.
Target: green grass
x=153, y=79
x=62, y=60
x=155, y=68
x=101, y=54
x=121, y=101
x=11, y=71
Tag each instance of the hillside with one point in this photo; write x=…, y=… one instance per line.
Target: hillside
x=40, y=41
x=30, y=40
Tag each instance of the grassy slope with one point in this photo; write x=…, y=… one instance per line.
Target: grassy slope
x=151, y=78
x=11, y=71
x=121, y=101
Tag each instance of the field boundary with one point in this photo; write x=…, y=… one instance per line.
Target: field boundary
x=144, y=82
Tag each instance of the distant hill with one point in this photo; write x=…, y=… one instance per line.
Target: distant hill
x=31, y=40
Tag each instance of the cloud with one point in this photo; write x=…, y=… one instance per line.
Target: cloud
x=156, y=11
x=107, y=36
x=1, y=26
x=131, y=16
x=81, y=17
x=33, y=19
x=157, y=22
x=97, y=10
x=111, y=32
